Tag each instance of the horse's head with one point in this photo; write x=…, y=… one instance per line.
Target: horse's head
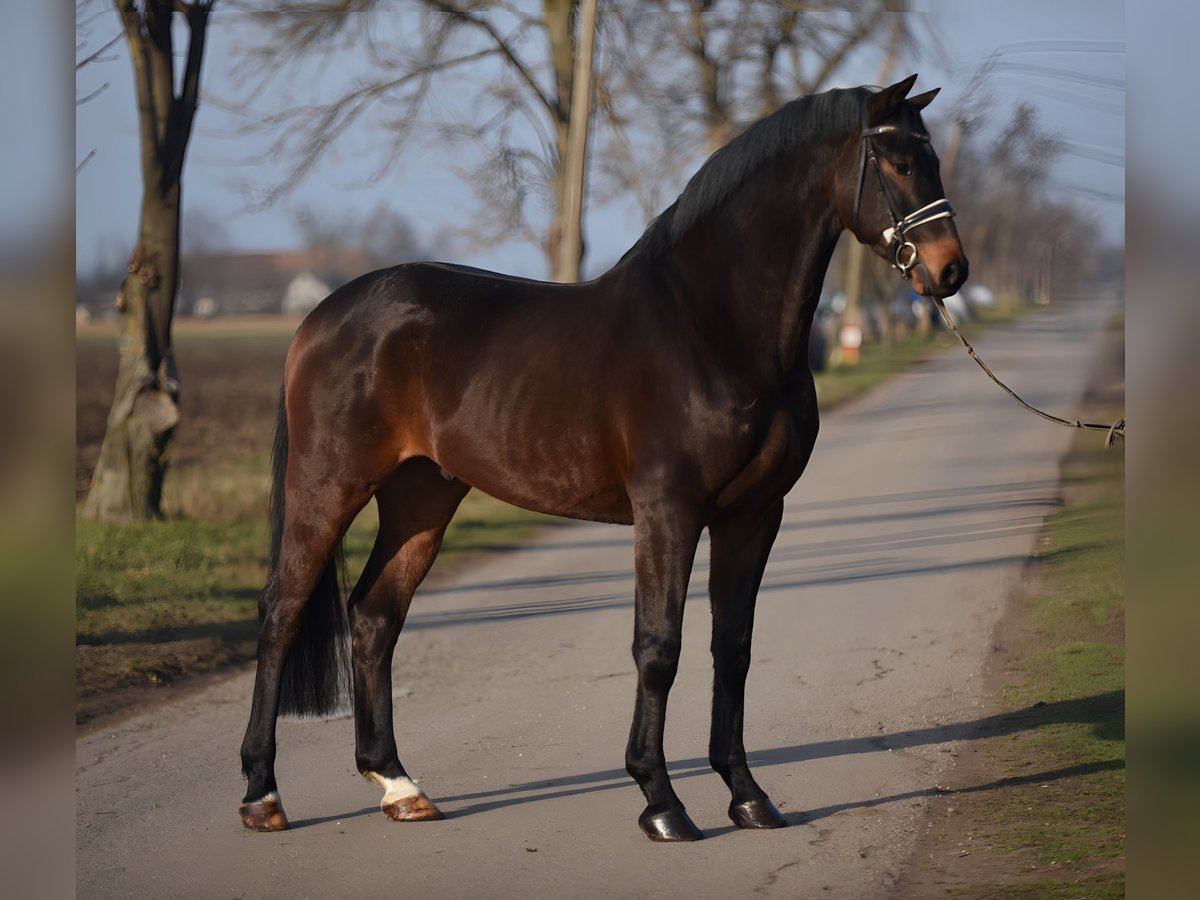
x=892, y=198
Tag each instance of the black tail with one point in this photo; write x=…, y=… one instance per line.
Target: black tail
x=316, y=674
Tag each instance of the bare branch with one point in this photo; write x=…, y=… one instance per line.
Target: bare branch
x=463, y=15
x=139, y=54
x=864, y=28
x=95, y=57
x=79, y=101
x=183, y=107
x=307, y=133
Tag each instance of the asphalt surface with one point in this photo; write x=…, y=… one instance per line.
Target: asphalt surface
x=514, y=686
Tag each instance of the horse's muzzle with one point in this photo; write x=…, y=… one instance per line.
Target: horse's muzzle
x=942, y=269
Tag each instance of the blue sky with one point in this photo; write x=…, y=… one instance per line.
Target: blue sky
x=1085, y=37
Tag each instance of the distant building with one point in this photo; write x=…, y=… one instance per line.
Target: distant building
x=303, y=294
x=289, y=282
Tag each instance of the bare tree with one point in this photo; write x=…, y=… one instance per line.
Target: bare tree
x=1001, y=187
x=520, y=66
x=203, y=231
x=127, y=482
x=694, y=75
x=382, y=234
x=671, y=77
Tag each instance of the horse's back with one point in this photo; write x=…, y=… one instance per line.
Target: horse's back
x=504, y=382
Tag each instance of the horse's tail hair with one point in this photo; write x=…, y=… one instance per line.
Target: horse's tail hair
x=316, y=673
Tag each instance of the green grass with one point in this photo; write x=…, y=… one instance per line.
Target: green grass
x=162, y=600
x=1099, y=888
x=1068, y=827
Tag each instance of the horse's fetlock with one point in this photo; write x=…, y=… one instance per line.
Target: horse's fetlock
x=721, y=766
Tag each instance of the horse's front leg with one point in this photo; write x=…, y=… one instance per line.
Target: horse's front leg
x=665, y=538
x=740, y=548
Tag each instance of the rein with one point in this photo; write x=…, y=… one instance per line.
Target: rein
x=1114, y=430
x=897, y=237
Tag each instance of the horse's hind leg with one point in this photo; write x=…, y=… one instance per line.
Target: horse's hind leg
x=740, y=549
x=415, y=505
x=314, y=523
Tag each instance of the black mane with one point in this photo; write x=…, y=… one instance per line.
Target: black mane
x=803, y=121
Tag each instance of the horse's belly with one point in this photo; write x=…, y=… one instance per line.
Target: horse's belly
x=559, y=484
x=609, y=504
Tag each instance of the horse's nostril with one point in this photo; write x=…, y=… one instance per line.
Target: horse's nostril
x=950, y=274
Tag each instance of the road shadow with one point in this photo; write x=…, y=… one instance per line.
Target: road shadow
x=324, y=820
x=1097, y=710
x=1032, y=494
x=830, y=574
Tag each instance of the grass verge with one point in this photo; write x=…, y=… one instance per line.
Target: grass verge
x=878, y=361
x=1037, y=807
x=1069, y=828
x=164, y=600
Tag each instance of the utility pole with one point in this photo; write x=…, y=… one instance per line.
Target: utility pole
x=570, y=248
x=850, y=335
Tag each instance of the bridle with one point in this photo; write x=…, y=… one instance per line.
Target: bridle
x=896, y=236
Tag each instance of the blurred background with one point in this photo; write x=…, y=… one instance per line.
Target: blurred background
x=336, y=137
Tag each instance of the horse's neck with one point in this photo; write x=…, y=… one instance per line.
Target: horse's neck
x=761, y=289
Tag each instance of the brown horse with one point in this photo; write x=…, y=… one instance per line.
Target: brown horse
x=672, y=393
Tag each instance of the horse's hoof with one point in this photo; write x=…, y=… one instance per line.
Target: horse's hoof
x=756, y=814
x=418, y=808
x=264, y=815
x=671, y=825
x=403, y=801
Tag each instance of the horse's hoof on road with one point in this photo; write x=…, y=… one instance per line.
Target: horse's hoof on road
x=265, y=814
x=756, y=814
x=671, y=825
x=418, y=808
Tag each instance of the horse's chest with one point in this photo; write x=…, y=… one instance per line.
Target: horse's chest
x=774, y=462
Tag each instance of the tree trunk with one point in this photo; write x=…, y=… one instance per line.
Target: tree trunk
x=559, y=16
x=128, y=480
x=575, y=164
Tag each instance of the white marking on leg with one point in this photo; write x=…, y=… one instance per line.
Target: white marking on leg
x=395, y=789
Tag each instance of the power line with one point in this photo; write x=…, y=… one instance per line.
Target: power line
x=1062, y=45
x=1097, y=153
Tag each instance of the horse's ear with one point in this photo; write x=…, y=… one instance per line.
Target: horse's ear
x=883, y=104
x=921, y=101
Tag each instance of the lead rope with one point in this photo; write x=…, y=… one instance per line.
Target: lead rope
x=1114, y=430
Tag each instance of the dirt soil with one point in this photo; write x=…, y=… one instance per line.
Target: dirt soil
x=227, y=403
x=952, y=856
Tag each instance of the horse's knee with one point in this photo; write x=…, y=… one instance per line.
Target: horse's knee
x=731, y=652
x=657, y=663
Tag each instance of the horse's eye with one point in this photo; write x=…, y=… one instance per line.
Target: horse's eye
x=904, y=168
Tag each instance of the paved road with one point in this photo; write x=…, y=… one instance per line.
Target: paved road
x=514, y=687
